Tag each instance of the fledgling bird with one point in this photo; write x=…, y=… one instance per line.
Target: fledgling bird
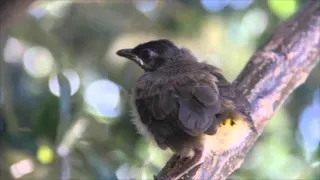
x=184, y=105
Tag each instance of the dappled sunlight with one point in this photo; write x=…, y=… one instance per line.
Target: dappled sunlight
x=240, y=4
x=104, y=97
x=54, y=8
x=13, y=50
x=73, y=79
x=255, y=22
x=309, y=125
x=38, y=61
x=276, y=7
x=22, y=168
x=145, y=6
x=214, y=6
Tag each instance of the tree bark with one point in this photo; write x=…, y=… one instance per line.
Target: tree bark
x=276, y=69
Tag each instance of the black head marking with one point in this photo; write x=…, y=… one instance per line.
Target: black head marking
x=161, y=47
x=153, y=54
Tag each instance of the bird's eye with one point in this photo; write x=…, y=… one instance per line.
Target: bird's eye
x=146, y=54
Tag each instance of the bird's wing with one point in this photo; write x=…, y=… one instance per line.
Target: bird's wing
x=198, y=107
x=191, y=107
x=156, y=113
x=231, y=96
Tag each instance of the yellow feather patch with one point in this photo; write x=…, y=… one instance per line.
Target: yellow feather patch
x=230, y=134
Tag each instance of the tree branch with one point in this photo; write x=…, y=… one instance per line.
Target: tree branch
x=272, y=74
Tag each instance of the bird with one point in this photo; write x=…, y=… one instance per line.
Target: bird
x=185, y=105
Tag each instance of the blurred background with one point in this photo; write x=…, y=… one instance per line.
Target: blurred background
x=88, y=135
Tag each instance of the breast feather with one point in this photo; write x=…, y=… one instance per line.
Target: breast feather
x=135, y=119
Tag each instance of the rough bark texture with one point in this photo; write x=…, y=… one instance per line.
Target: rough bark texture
x=272, y=74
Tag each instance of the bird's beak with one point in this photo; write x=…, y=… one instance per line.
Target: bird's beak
x=127, y=53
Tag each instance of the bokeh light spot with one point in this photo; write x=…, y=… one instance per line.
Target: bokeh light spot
x=21, y=168
x=214, y=6
x=13, y=50
x=309, y=125
x=38, y=61
x=240, y=4
x=238, y=34
x=55, y=8
x=45, y=154
x=58, y=8
x=73, y=78
x=145, y=6
x=38, y=11
x=63, y=150
x=255, y=22
x=126, y=172
x=104, y=97
x=283, y=8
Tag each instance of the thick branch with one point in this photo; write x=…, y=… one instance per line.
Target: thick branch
x=271, y=75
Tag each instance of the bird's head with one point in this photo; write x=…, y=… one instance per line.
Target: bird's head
x=152, y=55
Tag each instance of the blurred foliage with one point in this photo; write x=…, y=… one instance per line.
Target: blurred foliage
x=80, y=40
x=276, y=7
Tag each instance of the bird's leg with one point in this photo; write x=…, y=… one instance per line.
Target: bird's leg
x=185, y=164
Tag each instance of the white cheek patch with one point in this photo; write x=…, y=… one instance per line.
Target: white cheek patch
x=141, y=62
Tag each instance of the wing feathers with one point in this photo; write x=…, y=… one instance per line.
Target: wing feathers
x=193, y=107
x=206, y=95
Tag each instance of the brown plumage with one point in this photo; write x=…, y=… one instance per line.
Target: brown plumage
x=182, y=104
